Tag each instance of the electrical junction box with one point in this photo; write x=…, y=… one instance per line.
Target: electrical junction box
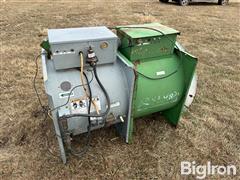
x=67, y=43
x=146, y=41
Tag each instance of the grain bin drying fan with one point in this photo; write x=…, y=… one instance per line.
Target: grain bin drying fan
x=94, y=78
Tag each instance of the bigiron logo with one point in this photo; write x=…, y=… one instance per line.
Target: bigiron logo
x=202, y=171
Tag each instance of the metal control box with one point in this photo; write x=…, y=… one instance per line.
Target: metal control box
x=67, y=43
x=146, y=41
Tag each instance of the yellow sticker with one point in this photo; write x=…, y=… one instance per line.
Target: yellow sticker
x=104, y=45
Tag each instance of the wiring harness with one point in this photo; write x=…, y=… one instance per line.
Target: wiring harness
x=88, y=93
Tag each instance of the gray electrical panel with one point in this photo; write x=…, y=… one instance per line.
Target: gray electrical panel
x=67, y=43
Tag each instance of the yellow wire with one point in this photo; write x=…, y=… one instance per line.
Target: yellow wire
x=84, y=87
x=82, y=80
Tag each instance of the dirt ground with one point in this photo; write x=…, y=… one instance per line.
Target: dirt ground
x=209, y=131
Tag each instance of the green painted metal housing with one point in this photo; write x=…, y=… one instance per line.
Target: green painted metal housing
x=153, y=40
x=163, y=73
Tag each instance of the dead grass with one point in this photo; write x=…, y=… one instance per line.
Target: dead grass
x=211, y=132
